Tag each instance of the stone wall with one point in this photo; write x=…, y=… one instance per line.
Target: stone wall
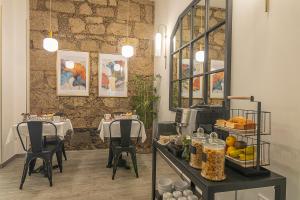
x=96, y=26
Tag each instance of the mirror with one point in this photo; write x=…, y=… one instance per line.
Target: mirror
x=199, y=19
x=200, y=57
x=186, y=28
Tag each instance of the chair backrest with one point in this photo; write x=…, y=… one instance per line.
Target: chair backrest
x=35, y=131
x=125, y=130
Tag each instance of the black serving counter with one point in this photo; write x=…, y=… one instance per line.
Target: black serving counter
x=234, y=181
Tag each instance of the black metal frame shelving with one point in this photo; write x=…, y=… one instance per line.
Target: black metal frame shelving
x=234, y=181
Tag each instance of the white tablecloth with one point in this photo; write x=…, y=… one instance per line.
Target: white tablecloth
x=115, y=130
x=48, y=129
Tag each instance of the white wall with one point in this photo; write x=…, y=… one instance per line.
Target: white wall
x=265, y=64
x=13, y=70
x=166, y=12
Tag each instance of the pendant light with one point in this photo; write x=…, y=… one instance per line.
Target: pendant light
x=200, y=55
x=127, y=49
x=50, y=44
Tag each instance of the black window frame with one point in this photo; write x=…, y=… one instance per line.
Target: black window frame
x=206, y=71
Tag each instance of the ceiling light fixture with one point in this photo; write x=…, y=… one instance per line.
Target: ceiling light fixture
x=50, y=44
x=127, y=49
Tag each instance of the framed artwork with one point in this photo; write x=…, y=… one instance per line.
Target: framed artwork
x=113, y=75
x=217, y=80
x=72, y=73
x=197, y=81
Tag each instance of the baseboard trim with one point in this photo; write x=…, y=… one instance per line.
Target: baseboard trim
x=2, y=165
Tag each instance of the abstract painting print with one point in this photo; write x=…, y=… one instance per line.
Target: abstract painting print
x=113, y=75
x=72, y=73
x=217, y=80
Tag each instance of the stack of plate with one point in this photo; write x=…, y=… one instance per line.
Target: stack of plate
x=164, y=185
x=181, y=185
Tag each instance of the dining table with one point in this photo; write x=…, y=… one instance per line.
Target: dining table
x=103, y=129
x=62, y=129
x=104, y=133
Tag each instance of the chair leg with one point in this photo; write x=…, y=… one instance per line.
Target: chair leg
x=59, y=160
x=49, y=170
x=64, y=150
x=115, y=163
x=31, y=166
x=134, y=162
x=24, y=172
x=110, y=157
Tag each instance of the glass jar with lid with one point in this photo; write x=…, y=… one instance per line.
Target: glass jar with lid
x=213, y=159
x=197, y=141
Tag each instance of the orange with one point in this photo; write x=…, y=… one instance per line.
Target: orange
x=230, y=141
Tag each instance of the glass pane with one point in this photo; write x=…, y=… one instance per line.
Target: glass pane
x=199, y=19
x=216, y=87
x=175, y=89
x=198, y=57
x=217, y=12
x=176, y=39
x=176, y=66
x=197, y=90
x=186, y=28
x=185, y=94
x=216, y=52
x=185, y=67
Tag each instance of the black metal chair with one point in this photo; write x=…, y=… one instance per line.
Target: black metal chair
x=124, y=143
x=50, y=140
x=38, y=149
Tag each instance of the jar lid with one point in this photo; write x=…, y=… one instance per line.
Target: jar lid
x=214, y=143
x=199, y=134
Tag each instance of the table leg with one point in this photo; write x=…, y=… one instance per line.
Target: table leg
x=154, y=151
x=280, y=192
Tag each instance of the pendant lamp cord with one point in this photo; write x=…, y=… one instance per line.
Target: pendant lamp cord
x=50, y=27
x=128, y=20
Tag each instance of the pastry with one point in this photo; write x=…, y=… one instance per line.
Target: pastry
x=221, y=122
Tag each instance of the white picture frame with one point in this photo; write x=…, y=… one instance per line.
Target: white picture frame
x=112, y=75
x=217, y=80
x=72, y=73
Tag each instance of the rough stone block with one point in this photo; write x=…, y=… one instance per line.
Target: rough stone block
x=85, y=9
x=96, y=29
x=98, y=2
x=143, y=31
x=117, y=29
x=77, y=25
x=105, y=12
x=94, y=20
x=89, y=45
x=134, y=10
x=39, y=20
x=61, y=6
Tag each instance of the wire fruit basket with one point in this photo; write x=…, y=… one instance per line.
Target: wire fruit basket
x=245, y=151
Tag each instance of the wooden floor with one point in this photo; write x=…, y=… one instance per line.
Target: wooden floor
x=84, y=177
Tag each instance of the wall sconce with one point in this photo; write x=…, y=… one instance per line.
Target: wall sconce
x=158, y=42
x=267, y=6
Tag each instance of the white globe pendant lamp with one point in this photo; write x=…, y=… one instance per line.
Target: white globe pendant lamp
x=50, y=44
x=200, y=56
x=127, y=49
